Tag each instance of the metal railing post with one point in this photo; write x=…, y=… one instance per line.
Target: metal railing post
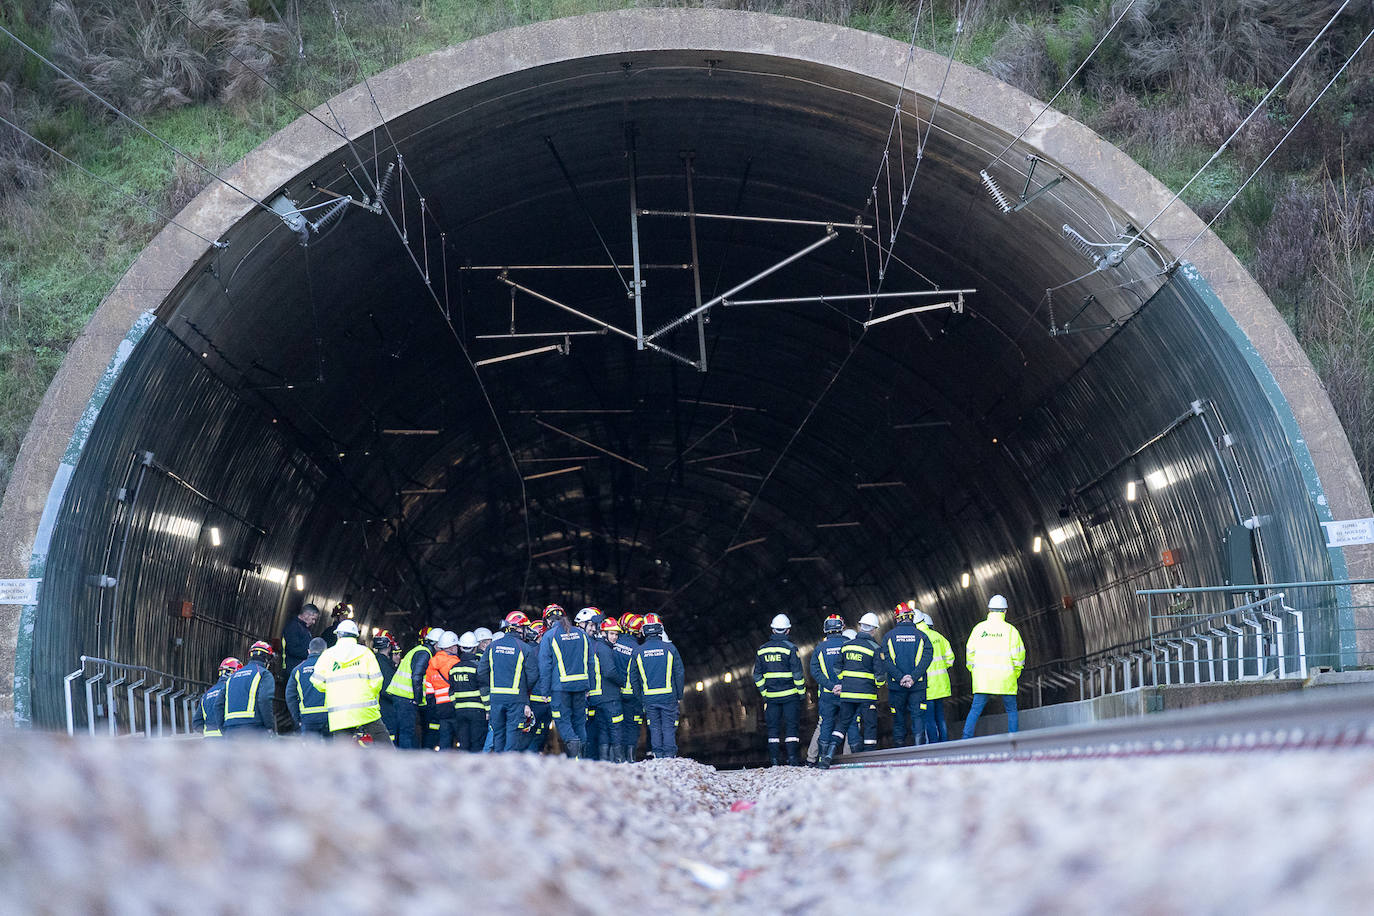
x=1302, y=643
x=67, y=689
x=110, y=713
x=133, y=708
x=160, y=694
x=186, y=712
x=1259, y=643
x=148, y=694
x=172, y=707
x=90, y=703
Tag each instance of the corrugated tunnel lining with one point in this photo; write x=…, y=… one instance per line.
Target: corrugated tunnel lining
x=340, y=342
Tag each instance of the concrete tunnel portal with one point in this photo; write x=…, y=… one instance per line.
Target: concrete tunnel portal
x=317, y=405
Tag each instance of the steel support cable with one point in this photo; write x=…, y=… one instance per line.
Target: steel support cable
x=448, y=322
x=1288, y=133
x=1073, y=76
x=112, y=186
x=136, y=123
x=1259, y=106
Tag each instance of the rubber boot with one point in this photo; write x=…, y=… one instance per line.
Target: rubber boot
x=573, y=747
x=628, y=752
x=604, y=753
x=793, y=754
x=827, y=752
x=773, y=754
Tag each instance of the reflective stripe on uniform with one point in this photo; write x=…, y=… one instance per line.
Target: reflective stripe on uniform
x=562, y=670
x=401, y=682
x=514, y=688
x=251, y=711
x=300, y=691
x=644, y=679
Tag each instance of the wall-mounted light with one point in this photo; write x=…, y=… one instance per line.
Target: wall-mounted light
x=215, y=540
x=1036, y=544
x=728, y=677
x=300, y=582
x=965, y=579
x=1130, y=491
x=1156, y=480
x=701, y=685
x=1058, y=535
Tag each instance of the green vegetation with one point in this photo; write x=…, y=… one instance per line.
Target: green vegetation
x=1173, y=81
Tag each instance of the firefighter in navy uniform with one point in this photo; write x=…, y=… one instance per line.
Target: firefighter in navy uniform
x=825, y=671
x=907, y=652
x=778, y=676
x=656, y=674
x=863, y=672
x=383, y=644
x=604, y=715
x=564, y=667
x=208, y=716
x=407, y=685
x=622, y=640
x=248, y=695
x=506, y=675
x=303, y=700
x=469, y=712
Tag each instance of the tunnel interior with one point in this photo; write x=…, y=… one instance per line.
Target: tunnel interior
x=317, y=405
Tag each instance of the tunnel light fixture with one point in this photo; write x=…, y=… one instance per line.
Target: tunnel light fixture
x=215, y=539
x=1058, y=535
x=1037, y=544
x=727, y=677
x=701, y=685
x=300, y=582
x=1130, y=491
x=965, y=579
x=1156, y=480
x=274, y=575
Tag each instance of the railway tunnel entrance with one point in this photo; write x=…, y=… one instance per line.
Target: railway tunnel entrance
x=953, y=347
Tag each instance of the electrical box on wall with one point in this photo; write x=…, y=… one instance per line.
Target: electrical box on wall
x=1168, y=558
x=1238, y=555
x=183, y=609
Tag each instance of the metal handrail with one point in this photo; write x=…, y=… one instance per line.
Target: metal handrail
x=117, y=674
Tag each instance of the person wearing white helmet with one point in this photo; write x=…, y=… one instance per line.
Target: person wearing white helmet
x=348, y=676
x=778, y=676
x=862, y=673
x=469, y=712
x=937, y=680
x=441, y=723
x=995, y=656
x=484, y=638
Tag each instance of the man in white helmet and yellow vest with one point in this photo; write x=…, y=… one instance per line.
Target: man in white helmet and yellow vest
x=350, y=679
x=995, y=656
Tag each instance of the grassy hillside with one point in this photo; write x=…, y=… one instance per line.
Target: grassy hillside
x=1173, y=81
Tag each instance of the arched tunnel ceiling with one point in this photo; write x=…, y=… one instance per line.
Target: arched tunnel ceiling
x=349, y=323
x=818, y=464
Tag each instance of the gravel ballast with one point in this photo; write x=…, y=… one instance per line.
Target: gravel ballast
x=284, y=827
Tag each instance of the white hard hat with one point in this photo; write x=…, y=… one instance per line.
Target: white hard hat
x=849, y=633
x=482, y=633
x=925, y=618
x=584, y=615
x=346, y=628
x=781, y=622
x=447, y=639
x=467, y=641
x=869, y=621
x=997, y=603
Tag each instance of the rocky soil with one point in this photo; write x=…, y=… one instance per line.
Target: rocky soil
x=282, y=827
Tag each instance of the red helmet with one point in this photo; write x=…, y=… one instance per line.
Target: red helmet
x=610, y=625
x=261, y=647
x=554, y=610
x=652, y=624
x=832, y=624
x=537, y=627
x=515, y=619
x=230, y=665
x=906, y=610
x=631, y=623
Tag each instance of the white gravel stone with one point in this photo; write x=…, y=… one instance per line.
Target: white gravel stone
x=284, y=827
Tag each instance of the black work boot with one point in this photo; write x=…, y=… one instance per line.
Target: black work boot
x=827, y=752
x=629, y=753
x=573, y=748
x=772, y=755
x=604, y=753
x=793, y=754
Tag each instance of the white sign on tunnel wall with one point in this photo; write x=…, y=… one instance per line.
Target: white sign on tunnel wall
x=1350, y=531
x=19, y=591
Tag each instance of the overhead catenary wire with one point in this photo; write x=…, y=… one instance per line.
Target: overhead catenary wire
x=112, y=186
x=1068, y=82
x=1259, y=106
x=1288, y=133
x=439, y=306
x=135, y=122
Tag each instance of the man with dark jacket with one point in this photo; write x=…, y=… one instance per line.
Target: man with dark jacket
x=248, y=695
x=208, y=715
x=564, y=663
x=863, y=672
x=382, y=646
x=622, y=640
x=469, y=712
x=506, y=677
x=407, y=685
x=826, y=663
x=296, y=636
x=656, y=674
x=907, y=652
x=303, y=699
x=779, y=678
x=604, y=715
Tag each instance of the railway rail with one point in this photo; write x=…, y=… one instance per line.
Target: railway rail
x=1322, y=718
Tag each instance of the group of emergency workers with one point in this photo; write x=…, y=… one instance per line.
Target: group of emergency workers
x=593, y=678
x=849, y=666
